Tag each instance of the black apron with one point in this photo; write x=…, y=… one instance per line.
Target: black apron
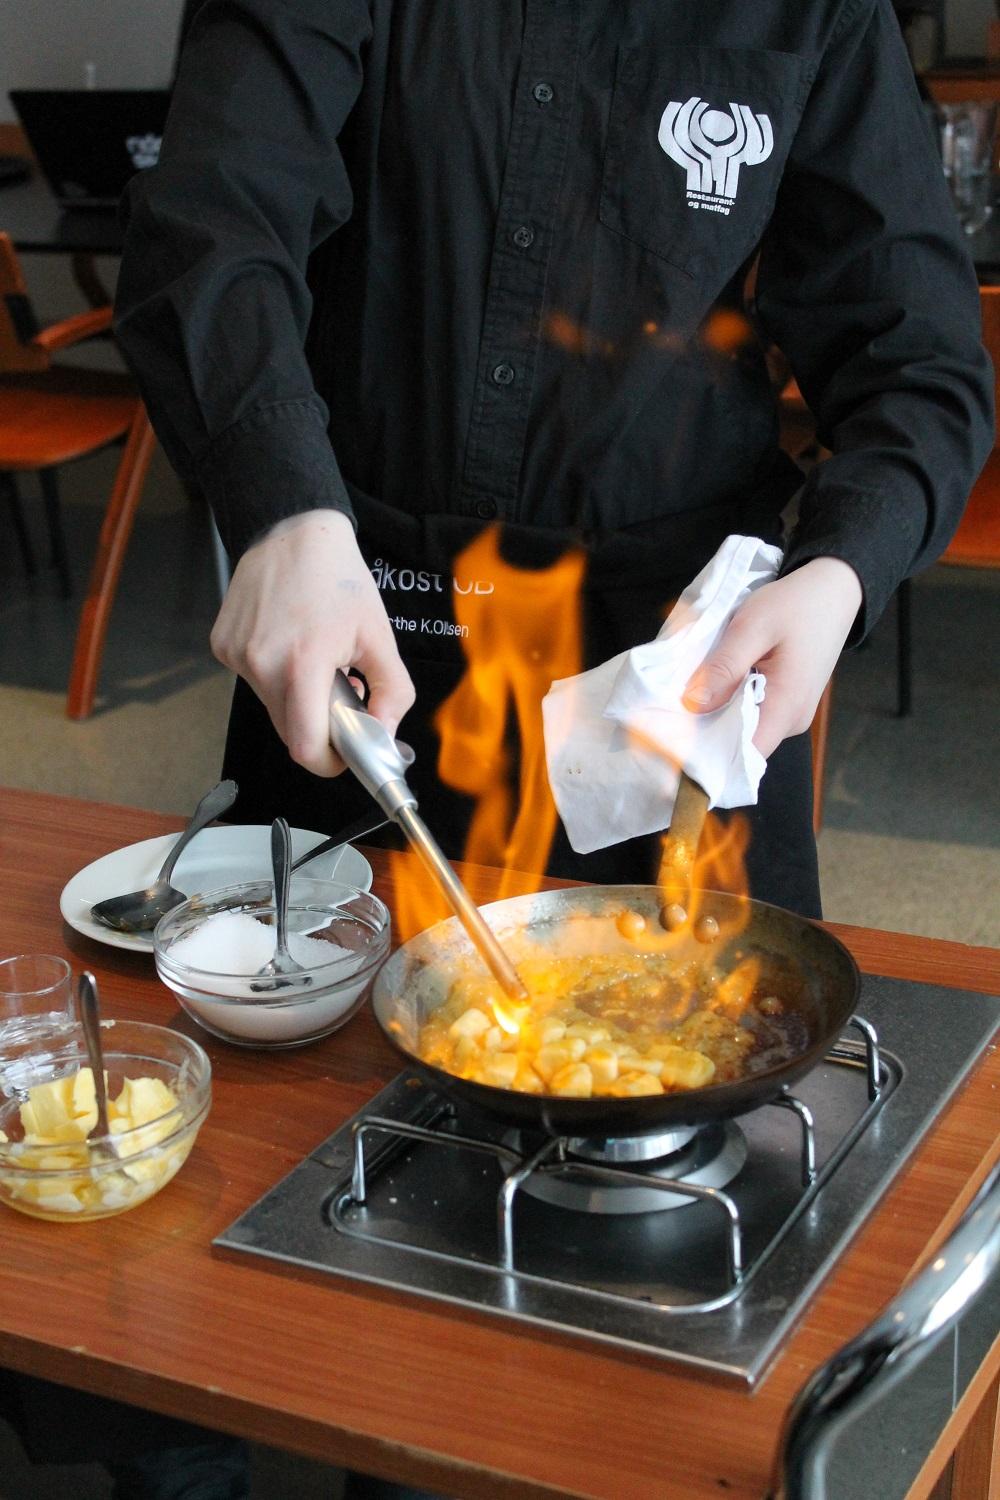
x=628, y=588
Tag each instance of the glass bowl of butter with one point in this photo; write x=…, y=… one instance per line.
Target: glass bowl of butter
x=159, y=1087
x=210, y=951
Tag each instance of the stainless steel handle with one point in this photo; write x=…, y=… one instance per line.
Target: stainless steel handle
x=365, y=745
x=380, y=763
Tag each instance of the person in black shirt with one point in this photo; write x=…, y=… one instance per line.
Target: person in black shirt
x=408, y=270
x=513, y=321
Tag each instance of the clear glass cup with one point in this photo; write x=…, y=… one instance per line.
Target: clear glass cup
x=966, y=136
x=36, y=1001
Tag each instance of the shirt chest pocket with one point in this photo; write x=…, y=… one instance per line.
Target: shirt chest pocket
x=697, y=141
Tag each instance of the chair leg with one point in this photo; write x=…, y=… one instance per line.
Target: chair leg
x=819, y=733
x=115, y=531
x=8, y=491
x=49, y=480
x=904, y=650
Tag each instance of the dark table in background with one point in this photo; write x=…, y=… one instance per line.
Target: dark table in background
x=36, y=223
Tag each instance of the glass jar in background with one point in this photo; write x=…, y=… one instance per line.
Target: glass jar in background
x=967, y=136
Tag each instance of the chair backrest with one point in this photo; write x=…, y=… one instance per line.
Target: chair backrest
x=18, y=324
x=989, y=303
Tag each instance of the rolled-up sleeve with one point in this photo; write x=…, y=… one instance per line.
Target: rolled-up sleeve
x=213, y=305
x=866, y=283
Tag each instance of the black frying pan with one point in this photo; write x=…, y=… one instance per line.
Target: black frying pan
x=809, y=969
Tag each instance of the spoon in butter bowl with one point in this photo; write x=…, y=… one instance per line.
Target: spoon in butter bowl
x=281, y=970
x=139, y=911
x=90, y=1023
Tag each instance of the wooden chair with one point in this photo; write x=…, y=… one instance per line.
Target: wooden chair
x=976, y=543
x=51, y=413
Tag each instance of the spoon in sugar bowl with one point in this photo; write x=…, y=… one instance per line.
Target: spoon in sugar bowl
x=281, y=970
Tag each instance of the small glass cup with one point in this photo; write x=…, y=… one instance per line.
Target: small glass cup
x=966, y=136
x=36, y=1000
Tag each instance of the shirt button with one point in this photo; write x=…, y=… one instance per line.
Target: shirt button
x=486, y=509
x=523, y=236
x=503, y=374
x=544, y=93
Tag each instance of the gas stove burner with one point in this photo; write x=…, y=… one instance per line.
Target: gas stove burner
x=613, y=1150
x=441, y=1207
x=706, y=1157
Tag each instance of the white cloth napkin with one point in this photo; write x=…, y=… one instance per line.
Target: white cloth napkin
x=616, y=737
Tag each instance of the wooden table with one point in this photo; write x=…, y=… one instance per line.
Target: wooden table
x=140, y=1307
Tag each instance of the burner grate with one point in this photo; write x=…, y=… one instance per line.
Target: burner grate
x=554, y=1159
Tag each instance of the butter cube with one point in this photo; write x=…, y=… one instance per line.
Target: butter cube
x=687, y=1070
x=527, y=1081
x=470, y=1023
x=500, y=1069
x=635, y=1062
x=575, y=1081
x=558, y=1055
x=631, y=1085
x=590, y=1031
x=603, y=1064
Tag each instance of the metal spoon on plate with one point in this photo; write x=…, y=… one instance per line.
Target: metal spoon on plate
x=139, y=911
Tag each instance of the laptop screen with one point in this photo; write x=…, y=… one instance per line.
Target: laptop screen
x=89, y=142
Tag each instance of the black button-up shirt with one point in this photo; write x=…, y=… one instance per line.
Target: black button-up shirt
x=466, y=259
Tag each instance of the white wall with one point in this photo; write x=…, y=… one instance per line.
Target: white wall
x=47, y=44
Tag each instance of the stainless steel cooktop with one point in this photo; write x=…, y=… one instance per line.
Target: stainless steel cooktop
x=415, y=1195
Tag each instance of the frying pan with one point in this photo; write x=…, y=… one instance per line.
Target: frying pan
x=806, y=967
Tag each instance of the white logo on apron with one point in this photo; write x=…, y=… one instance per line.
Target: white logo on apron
x=712, y=145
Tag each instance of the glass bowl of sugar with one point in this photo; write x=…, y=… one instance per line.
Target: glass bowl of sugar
x=210, y=952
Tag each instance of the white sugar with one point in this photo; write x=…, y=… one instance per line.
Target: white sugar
x=230, y=942
x=310, y=952
x=234, y=942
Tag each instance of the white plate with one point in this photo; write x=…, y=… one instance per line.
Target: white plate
x=223, y=855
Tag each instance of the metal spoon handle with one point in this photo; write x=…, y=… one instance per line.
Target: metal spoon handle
x=281, y=861
x=211, y=806
x=90, y=1020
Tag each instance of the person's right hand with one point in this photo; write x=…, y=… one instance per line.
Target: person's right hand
x=301, y=604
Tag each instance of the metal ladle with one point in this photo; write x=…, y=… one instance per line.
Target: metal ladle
x=380, y=763
x=139, y=911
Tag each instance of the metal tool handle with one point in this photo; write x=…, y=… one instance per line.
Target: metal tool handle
x=211, y=806
x=90, y=1021
x=461, y=903
x=365, y=745
x=380, y=762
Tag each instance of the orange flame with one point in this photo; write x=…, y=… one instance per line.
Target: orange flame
x=517, y=638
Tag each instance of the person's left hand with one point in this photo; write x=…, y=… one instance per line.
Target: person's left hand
x=793, y=630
